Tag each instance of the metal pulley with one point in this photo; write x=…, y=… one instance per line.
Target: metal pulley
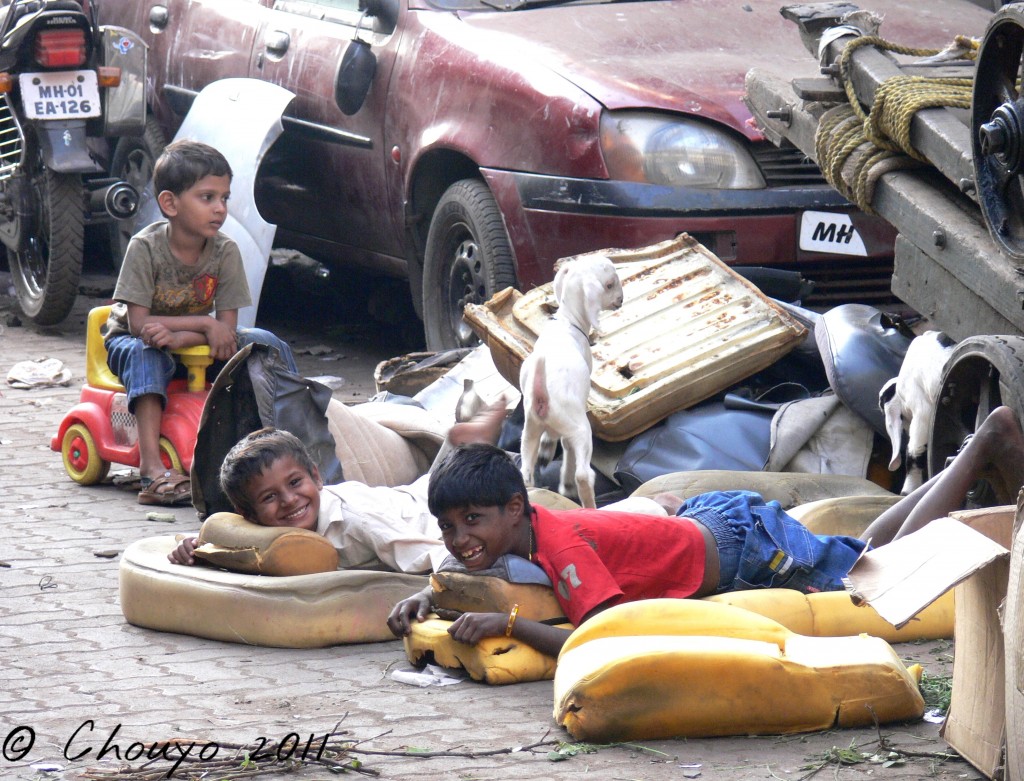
x=997, y=129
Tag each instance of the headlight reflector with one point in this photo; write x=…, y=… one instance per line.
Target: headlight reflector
x=659, y=149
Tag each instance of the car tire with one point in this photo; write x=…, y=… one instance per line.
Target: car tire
x=133, y=161
x=982, y=373
x=468, y=259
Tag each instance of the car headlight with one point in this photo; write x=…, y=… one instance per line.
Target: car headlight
x=658, y=149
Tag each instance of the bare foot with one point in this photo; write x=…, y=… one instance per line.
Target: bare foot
x=996, y=453
x=484, y=426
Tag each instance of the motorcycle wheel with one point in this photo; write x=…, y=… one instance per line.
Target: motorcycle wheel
x=46, y=273
x=133, y=161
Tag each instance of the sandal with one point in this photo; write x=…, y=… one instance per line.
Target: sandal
x=171, y=488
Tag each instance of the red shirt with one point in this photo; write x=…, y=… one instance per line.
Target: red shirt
x=597, y=556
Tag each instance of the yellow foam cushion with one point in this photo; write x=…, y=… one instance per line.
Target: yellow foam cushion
x=494, y=660
x=718, y=670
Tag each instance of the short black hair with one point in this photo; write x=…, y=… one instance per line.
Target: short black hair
x=251, y=456
x=475, y=474
x=184, y=163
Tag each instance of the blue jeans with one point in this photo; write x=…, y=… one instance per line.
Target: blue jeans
x=760, y=546
x=143, y=370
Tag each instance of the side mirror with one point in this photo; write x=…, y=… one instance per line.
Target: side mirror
x=384, y=11
x=355, y=75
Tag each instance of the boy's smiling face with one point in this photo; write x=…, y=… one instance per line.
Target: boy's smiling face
x=285, y=494
x=478, y=535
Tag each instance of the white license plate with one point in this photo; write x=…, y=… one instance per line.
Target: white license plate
x=831, y=233
x=60, y=95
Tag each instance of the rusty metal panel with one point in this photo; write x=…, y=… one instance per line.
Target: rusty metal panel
x=688, y=328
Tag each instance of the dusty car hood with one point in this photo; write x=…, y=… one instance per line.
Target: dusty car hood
x=692, y=55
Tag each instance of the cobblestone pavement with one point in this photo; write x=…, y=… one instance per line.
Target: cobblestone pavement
x=76, y=677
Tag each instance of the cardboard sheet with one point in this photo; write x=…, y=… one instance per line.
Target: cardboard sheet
x=905, y=576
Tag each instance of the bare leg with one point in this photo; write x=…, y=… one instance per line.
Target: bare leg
x=995, y=452
x=484, y=426
x=148, y=412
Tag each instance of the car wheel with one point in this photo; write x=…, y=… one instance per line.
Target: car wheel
x=468, y=259
x=133, y=162
x=982, y=373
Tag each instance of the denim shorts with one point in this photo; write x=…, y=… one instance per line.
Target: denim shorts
x=760, y=546
x=144, y=370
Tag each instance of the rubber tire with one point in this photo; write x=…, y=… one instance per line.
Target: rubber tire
x=133, y=161
x=81, y=457
x=468, y=259
x=982, y=373
x=46, y=275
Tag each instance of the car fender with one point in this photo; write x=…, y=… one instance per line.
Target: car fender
x=517, y=114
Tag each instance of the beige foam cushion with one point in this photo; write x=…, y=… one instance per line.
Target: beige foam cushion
x=304, y=611
x=468, y=593
x=382, y=443
x=228, y=540
x=788, y=488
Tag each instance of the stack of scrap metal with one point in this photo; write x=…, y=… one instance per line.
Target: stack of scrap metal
x=689, y=327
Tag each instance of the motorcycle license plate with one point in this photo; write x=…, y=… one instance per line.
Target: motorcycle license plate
x=60, y=95
x=830, y=232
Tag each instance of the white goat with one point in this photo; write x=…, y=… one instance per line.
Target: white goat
x=555, y=377
x=910, y=398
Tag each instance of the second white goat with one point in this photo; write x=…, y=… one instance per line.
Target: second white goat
x=910, y=398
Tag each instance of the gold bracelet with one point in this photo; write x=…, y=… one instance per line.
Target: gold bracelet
x=511, y=620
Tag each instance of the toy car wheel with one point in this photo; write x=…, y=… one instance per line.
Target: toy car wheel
x=82, y=460
x=468, y=259
x=169, y=456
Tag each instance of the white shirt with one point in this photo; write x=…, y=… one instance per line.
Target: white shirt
x=381, y=527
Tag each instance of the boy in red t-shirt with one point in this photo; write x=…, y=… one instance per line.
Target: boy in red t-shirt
x=716, y=542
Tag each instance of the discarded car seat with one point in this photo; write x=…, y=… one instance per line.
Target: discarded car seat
x=707, y=436
x=230, y=541
x=861, y=348
x=710, y=679
x=301, y=611
x=253, y=390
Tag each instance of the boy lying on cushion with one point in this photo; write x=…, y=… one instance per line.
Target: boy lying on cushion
x=715, y=542
x=271, y=480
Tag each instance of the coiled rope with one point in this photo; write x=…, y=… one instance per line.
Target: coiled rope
x=854, y=148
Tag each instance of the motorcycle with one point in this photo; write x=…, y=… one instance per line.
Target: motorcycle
x=67, y=85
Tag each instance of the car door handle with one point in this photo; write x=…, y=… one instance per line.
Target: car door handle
x=158, y=16
x=276, y=42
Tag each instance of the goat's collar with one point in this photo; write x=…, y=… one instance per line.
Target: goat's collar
x=575, y=325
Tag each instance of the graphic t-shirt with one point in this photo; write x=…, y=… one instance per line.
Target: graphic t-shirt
x=152, y=277
x=597, y=556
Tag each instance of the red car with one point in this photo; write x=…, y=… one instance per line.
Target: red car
x=492, y=137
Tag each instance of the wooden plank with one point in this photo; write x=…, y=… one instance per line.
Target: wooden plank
x=942, y=298
x=919, y=204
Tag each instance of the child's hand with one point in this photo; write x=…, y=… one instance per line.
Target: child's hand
x=222, y=339
x=471, y=628
x=157, y=335
x=183, y=553
x=417, y=606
